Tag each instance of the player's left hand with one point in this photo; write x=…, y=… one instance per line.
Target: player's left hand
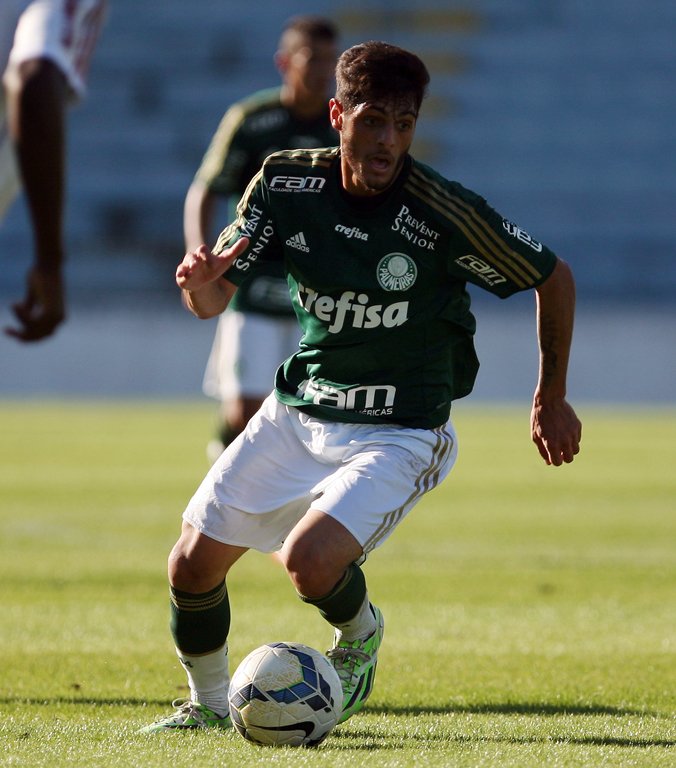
x=202, y=266
x=43, y=308
x=556, y=431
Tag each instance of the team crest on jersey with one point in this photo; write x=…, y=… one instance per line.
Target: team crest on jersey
x=396, y=272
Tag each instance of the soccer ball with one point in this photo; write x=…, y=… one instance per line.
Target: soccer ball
x=285, y=693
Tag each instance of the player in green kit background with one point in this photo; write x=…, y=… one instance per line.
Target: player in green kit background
x=378, y=250
x=259, y=329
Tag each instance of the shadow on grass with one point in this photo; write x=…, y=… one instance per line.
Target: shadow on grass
x=89, y=702
x=514, y=708
x=364, y=738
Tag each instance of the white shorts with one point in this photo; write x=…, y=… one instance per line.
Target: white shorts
x=366, y=476
x=61, y=31
x=247, y=350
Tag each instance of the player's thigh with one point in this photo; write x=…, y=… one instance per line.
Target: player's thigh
x=385, y=478
x=260, y=487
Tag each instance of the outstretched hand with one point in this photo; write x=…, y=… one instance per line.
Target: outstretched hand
x=43, y=308
x=556, y=431
x=201, y=267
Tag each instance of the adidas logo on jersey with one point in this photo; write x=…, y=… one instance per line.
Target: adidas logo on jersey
x=298, y=242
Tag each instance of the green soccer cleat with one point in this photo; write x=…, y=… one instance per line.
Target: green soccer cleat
x=355, y=663
x=189, y=716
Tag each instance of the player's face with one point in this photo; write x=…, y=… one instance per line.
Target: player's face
x=310, y=68
x=374, y=140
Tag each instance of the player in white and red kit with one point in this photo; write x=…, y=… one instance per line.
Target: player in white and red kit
x=45, y=49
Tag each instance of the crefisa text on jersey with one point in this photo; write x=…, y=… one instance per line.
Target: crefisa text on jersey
x=416, y=231
x=351, y=309
x=351, y=232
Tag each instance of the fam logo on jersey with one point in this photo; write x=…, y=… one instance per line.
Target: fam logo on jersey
x=351, y=309
x=479, y=267
x=396, y=272
x=369, y=399
x=522, y=235
x=416, y=231
x=297, y=184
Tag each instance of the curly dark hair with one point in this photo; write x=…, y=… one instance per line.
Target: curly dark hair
x=376, y=71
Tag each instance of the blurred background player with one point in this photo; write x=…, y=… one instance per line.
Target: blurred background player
x=45, y=50
x=259, y=329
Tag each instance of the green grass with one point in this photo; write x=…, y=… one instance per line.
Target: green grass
x=530, y=611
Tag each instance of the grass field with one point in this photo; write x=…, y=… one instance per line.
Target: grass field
x=530, y=611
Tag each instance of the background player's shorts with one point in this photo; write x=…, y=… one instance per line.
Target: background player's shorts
x=63, y=32
x=366, y=476
x=247, y=350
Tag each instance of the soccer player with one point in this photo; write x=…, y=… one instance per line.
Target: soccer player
x=259, y=330
x=46, y=62
x=378, y=249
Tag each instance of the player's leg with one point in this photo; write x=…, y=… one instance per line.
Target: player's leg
x=251, y=498
x=383, y=473
x=330, y=579
x=200, y=624
x=221, y=380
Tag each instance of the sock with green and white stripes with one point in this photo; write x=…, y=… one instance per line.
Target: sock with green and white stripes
x=199, y=625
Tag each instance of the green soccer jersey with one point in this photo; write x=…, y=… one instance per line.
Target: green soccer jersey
x=251, y=130
x=379, y=284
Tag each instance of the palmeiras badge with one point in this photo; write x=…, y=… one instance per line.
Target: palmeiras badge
x=396, y=272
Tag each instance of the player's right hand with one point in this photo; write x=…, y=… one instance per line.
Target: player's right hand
x=43, y=308
x=201, y=266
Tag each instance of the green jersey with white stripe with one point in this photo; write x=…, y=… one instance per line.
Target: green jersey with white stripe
x=379, y=284
x=250, y=130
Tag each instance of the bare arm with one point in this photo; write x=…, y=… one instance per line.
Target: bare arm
x=555, y=428
x=199, y=276
x=37, y=101
x=198, y=213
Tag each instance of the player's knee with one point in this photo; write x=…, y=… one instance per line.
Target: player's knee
x=186, y=569
x=309, y=569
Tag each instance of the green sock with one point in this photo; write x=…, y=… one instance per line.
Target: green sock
x=226, y=434
x=345, y=600
x=200, y=623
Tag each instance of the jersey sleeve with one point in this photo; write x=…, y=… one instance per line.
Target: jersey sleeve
x=226, y=157
x=496, y=254
x=255, y=221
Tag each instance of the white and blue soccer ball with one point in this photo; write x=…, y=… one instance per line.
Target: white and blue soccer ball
x=285, y=693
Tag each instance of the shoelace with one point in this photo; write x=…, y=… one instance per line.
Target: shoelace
x=344, y=653
x=187, y=707
x=347, y=659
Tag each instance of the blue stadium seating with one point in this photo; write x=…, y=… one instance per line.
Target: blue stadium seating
x=561, y=113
